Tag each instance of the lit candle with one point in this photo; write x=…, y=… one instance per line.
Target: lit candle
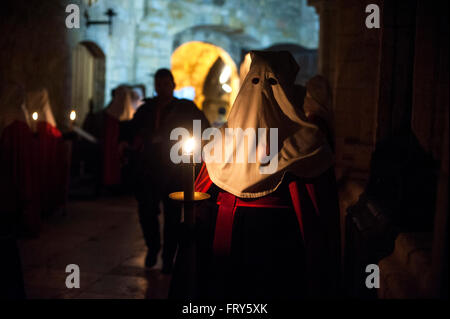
x=189, y=178
x=73, y=115
x=35, y=116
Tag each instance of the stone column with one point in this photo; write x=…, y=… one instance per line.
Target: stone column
x=326, y=11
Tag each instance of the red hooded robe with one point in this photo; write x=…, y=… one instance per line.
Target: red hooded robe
x=276, y=235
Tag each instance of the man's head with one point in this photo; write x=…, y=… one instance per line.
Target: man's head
x=164, y=83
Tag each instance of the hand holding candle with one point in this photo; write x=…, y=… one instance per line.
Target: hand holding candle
x=188, y=193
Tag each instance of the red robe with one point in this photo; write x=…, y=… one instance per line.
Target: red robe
x=307, y=256
x=52, y=173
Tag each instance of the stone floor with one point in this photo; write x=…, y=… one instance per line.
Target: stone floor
x=104, y=239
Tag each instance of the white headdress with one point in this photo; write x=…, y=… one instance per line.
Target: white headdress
x=265, y=101
x=121, y=107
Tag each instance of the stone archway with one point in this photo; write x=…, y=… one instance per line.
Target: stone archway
x=211, y=72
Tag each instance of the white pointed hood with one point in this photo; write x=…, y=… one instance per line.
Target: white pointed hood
x=38, y=101
x=265, y=101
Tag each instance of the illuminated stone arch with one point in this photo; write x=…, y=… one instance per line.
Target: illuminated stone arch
x=200, y=65
x=234, y=41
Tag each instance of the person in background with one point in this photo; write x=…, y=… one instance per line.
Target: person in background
x=16, y=147
x=119, y=111
x=136, y=98
x=155, y=175
x=50, y=153
x=11, y=274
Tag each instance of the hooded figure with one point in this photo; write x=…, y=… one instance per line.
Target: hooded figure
x=38, y=102
x=49, y=155
x=275, y=213
x=16, y=147
x=118, y=111
x=136, y=99
x=266, y=101
x=121, y=107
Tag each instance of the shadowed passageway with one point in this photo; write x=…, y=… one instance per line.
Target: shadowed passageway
x=104, y=239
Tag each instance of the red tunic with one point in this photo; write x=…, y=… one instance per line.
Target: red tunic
x=20, y=188
x=316, y=210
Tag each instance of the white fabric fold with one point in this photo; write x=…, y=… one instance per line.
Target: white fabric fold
x=39, y=102
x=265, y=101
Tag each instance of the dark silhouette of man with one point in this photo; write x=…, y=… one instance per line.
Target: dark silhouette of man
x=155, y=175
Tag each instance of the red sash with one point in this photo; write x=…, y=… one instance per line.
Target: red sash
x=228, y=204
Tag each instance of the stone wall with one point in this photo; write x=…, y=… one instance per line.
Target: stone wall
x=119, y=47
x=146, y=33
x=392, y=83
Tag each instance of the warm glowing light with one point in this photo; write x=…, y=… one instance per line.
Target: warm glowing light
x=73, y=115
x=191, y=71
x=35, y=116
x=188, y=146
x=225, y=75
x=226, y=88
x=245, y=67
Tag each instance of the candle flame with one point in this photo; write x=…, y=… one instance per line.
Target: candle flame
x=73, y=115
x=35, y=116
x=189, y=145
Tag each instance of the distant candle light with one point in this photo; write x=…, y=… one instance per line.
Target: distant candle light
x=35, y=116
x=73, y=115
